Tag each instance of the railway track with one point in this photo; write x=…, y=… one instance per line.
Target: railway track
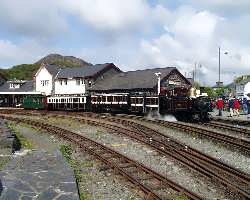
x=241, y=144
x=234, y=128
x=141, y=176
x=206, y=165
x=192, y=158
x=233, y=121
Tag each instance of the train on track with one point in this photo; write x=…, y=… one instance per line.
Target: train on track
x=176, y=102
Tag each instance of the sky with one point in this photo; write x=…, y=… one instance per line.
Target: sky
x=132, y=34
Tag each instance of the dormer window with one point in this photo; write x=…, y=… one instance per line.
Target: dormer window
x=14, y=85
x=89, y=83
x=78, y=81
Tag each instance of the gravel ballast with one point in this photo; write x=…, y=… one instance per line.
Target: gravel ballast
x=164, y=165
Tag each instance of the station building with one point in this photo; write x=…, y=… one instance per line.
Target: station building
x=142, y=81
x=52, y=80
x=12, y=92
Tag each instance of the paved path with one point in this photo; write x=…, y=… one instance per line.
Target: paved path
x=226, y=115
x=38, y=175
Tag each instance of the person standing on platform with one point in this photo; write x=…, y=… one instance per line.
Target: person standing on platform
x=220, y=105
x=231, y=106
x=248, y=107
x=236, y=107
x=244, y=106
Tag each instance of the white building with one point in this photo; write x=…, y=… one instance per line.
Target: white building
x=44, y=79
x=242, y=89
x=76, y=81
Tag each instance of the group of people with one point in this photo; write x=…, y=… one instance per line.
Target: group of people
x=234, y=106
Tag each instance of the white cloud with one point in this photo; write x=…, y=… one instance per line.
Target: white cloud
x=27, y=51
x=32, y=18
x=194, y=36
x=222, y=6
x=110, y=15
x=190, y=33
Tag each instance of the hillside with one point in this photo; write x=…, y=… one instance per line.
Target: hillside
x=26, y=71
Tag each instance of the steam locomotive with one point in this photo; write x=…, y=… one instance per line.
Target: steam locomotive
x=176, y=102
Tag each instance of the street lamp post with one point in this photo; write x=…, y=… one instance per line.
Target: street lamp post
x=219, y=82
x=158, y=75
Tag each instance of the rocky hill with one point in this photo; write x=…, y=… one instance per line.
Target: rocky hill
x=64, y=61
x=26, y=71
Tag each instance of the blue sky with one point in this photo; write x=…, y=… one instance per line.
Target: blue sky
x=133, y=34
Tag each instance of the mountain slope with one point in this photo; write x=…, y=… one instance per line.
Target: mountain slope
x=26, y=71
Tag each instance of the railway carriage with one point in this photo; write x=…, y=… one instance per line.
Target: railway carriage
x=183, y=107
x=37, y=102
x=68, y=103
x=110, y=102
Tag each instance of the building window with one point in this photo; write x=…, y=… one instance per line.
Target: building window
x=60, y=81
x=45, y=82
x=65, y=82
x=78, y=81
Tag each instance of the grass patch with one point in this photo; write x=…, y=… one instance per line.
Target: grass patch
x=3, y=162
x=131, y=198
x=23, y=141
x=182, y=197
x=67, y=151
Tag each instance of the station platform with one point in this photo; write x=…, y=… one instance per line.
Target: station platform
x=226, y=115
x=38, y=175
x=33, y=174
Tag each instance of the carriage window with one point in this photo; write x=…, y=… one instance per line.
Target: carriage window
x=75, y=100
x=94, y=99
x=110, y=98
x=65, y=82
x=116, y=99
x=60, y=81
x=124, y=98
x=139, y=101
x=133, y=100
x=56, y=100
x=98, y=98
x=82, y=99
x=62, y=100
x=103, y=99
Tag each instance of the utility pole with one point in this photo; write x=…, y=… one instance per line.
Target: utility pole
x=219, y=66
x=194, y=74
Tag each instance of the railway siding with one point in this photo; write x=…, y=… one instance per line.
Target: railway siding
x=100, y=151
x=129, y=125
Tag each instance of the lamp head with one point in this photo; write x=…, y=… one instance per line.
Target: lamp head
x=158, y=73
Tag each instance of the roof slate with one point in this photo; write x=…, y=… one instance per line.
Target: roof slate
x=87, y=71
x=28, y=86
x=132, y=79
x=52, y=69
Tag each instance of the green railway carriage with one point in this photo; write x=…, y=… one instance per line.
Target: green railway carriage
x=35, y=102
